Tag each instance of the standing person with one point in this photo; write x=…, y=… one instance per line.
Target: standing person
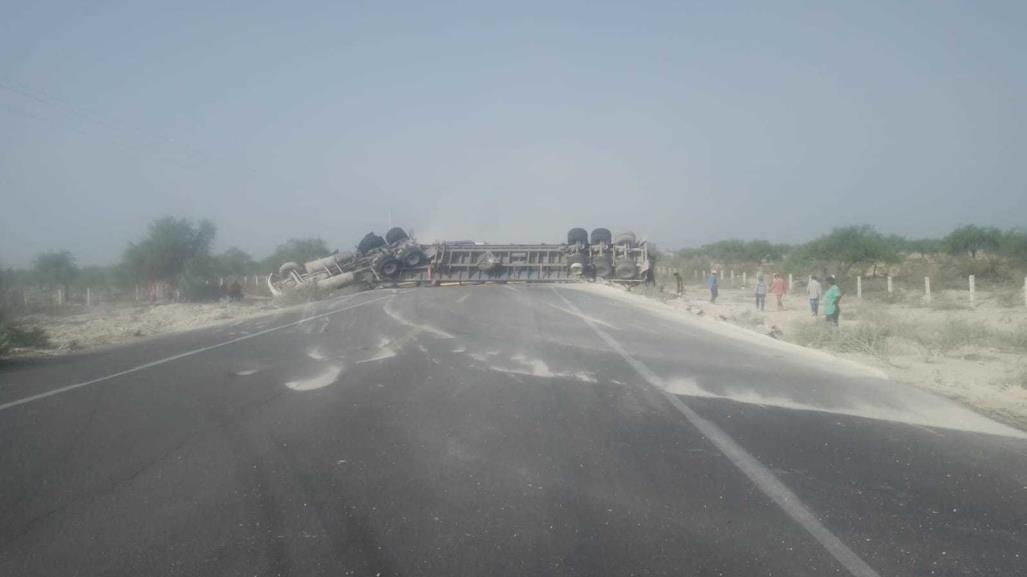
x=777, y=287
x=680, y=283
x=714, y=283
x=814, y=294
x=761, y=293
x=831, y=298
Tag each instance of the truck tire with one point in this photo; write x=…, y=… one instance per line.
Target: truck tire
x=601, y=235
x=411, y=256
x=395, y=235
x=627, y=238
x=573, y=259
x=602, y=268
x=370, y=242
x=577, y=235
x=387, y=266
x=288, y=267
x=626, y=269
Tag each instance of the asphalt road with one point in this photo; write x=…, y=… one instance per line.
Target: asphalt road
x=492, y=430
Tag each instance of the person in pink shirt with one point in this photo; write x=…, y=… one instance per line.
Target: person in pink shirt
x=778, y=289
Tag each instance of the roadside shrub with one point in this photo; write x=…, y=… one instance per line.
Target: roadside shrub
x=1009, y=298
x=940, y=303
x=27, y=337
x=13, y=336
x=867, y=337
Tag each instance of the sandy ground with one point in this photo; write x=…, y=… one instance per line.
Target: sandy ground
x=114, y=324
x=988, y=374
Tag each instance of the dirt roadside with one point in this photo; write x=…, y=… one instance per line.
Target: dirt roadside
x=112, y=324
x=976, y=356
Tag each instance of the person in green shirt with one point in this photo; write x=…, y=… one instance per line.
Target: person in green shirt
x=831, y=298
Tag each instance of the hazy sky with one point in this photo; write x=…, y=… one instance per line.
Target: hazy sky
x=685, y=122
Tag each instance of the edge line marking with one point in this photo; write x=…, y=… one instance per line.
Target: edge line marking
x=764, y=479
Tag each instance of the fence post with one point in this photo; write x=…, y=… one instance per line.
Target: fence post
x=859, y=286
x=927, y=288
x=889, y=284
x=972, y=290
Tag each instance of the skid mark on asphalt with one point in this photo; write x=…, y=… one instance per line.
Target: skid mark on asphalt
x=172, y=358
x=394, y=315
x=385, y=351
x=329, y=376
x=762, y=477
x=539, y=368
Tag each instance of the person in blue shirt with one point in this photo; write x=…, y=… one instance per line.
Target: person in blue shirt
x=713, y=282
x=761, y=293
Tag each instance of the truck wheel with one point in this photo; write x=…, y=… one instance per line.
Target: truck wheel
x=387, y=266
x=370, y=242
x=395, y=235
x=602, y=268
x=626, y=269
x=288, y=267
x=576, y=235
x=625, y=238
x=411, y=256
x=601, y=235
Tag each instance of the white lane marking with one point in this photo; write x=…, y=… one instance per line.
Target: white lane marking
x=761, y=476
x=142, y=367
x=463, y=298
x=583, y=317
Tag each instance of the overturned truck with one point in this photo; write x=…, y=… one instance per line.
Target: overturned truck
x=398, y=260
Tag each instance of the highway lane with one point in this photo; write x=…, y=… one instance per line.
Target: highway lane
x=490, y=430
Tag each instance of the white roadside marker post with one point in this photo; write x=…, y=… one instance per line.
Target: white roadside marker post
x=927, y=288
x=859, y=286
x=89, y=297
x=972, y=291
x=889, y=285
x=790, y=284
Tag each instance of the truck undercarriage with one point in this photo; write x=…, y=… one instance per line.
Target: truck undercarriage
x=399, y=260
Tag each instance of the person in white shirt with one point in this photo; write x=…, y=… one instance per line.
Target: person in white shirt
x=814, y=294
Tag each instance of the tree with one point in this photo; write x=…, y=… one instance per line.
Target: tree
x=298, y=250
x=924, y=246
x=972, y=239
x=55, y=269
x=735, y=251
x=850, y=246
x=1014, y=246
x=171, y=246
x=235, y=261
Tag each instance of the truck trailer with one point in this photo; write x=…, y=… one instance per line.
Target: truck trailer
x=399, y=260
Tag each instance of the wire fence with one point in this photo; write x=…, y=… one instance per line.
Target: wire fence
x=881, y=287
x=39, y=298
